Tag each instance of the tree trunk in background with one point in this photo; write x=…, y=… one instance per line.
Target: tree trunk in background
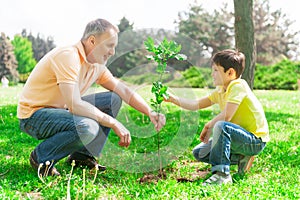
x=244, y=36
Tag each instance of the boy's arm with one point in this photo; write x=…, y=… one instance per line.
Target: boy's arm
x=189, y=104
x=225, y=115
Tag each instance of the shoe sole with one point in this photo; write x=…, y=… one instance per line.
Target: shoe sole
x=34, y=164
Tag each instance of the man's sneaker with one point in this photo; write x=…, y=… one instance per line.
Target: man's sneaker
x=44, y=169
x=245, y=164
x=218, y=179
x=82, y=160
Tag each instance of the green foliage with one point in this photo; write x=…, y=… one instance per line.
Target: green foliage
x=282, y=75
x=198, y=77
x=214, y=31
x=24, y=54
x=161, y=53
x=275, y=173
x=40, y=46
x=125, y=25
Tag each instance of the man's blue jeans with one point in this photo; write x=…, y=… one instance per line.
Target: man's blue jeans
x=228, y=143
x=64, y=133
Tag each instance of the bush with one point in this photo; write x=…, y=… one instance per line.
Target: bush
x=282, y=75
x=198, y=77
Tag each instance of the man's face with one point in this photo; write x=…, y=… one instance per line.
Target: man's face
x=103, y=47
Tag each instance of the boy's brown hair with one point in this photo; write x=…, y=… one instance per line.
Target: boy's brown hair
x=229, y=58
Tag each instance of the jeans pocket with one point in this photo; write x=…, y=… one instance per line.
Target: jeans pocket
x=27, y=128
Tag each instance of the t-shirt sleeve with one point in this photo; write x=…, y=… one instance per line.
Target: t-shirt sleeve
x=66, y=66
x=236, y=93
x=214, y=96
x=104, y=77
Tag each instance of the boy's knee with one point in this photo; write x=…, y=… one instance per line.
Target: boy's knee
x=198, y=155
x=202, y=150
x=218, y=127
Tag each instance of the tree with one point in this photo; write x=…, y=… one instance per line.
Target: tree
x=120, y=63
x=24, y=54
x=244, y=40
x=8, y=62
x=274, y=38
x=212, y=31
x=40, y=46
x=125, y=25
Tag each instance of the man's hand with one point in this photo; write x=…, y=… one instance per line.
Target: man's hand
x=159, y=120
x=205, y=133
x=123, y=133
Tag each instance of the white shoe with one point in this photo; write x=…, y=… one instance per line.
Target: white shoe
x=218, y=179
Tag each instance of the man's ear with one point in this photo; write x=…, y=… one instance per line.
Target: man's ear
x=92, y=40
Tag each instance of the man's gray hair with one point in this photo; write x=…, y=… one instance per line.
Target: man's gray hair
x=96, y=27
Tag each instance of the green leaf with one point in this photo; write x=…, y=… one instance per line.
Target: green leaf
x=181, y=57
x=149, y=44
x=150, y=57
x=160, y=99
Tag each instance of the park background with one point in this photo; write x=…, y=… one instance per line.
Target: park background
x=201, y=31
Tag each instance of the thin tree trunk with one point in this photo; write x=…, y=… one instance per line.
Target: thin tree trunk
x=244, y=36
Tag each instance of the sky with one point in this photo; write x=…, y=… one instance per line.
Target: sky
x=65, y=20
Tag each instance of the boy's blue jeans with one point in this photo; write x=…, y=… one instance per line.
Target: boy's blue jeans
x=64, y=133
x=228, y=143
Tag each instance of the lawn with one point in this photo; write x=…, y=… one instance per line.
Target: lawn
x=133, y=173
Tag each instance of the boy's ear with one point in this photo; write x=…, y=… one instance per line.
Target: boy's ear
x=231, y=72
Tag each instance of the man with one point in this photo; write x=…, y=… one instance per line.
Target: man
x=51, y=106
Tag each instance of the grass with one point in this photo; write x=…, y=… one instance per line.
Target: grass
x=274, y=175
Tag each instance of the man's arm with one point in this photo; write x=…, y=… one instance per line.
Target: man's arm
x=77, y=106
x=135, y=100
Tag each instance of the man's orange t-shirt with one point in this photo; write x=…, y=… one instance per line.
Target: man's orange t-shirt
x=61, y=65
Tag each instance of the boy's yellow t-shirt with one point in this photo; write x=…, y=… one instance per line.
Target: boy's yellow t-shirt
x=250, y=114
x=60, y=65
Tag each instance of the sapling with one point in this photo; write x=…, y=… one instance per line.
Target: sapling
x=161, y=53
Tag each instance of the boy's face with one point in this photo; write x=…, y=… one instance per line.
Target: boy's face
x=220, y=78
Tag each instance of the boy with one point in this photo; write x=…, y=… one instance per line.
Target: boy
x=240, y=130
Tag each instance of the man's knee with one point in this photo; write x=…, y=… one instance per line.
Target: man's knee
x=116, y=103
x=87, y=130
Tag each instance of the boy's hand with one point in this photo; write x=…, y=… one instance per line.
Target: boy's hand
x=169, y=97
x=205, y=133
